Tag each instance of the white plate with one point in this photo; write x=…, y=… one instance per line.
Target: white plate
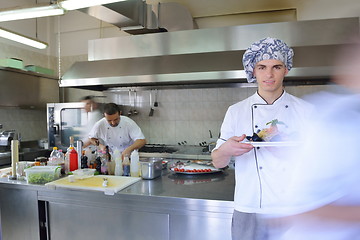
x=274, y=144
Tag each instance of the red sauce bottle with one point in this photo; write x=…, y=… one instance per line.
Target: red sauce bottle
x=73, y=159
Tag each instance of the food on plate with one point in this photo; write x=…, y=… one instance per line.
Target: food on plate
x=270, y=134
x=190, y=167
x=192, y=170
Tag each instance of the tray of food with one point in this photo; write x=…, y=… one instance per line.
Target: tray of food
x=194, y=169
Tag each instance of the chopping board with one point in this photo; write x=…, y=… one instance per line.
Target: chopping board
x=95, y=183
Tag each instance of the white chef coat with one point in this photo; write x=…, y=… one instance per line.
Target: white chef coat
x=121, y=136
x=92, y=118
x=261, y=173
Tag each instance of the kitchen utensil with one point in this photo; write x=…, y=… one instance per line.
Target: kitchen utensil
x=135, y=112
x=130, y=111
x=156, y=104
x=151, y=113
x=151, y=168
x=95, y=183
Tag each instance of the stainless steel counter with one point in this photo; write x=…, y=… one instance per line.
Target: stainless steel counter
x=172, y=206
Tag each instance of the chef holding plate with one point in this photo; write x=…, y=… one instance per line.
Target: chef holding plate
x=261, y=170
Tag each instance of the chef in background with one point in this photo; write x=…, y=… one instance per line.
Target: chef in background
x=116, y=131
x=323, y=194
x=92, y=108
x=94, y=114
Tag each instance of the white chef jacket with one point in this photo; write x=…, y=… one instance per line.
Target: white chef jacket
x=261, y=174
x=121, y=136
x=92, y=118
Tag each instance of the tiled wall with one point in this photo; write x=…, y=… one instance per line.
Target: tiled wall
x=30, y=123
x=181, y=115
x=187, y=114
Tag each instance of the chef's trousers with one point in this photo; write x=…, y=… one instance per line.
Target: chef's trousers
x=247, y=226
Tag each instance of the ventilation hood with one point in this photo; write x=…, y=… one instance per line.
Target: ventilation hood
x=207, y=56
x=138, y=17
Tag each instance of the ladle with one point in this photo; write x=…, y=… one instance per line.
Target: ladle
x=135, y=112
x=130, y=111
x=151, y=113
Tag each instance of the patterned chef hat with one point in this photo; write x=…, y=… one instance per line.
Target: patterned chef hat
x=267, y=48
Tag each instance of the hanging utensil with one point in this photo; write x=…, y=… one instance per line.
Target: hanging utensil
x=156, y=104
x=135, y=112
x=130, y=111
x=151, y=113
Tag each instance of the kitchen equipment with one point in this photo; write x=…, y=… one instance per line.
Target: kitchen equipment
x=65, y=120
x=157, y=148
x=95, y=183
x=6, y=137
x=130, y=112
x=135, y=112
x=156, y=104
x=151, y=113
x=151, y=168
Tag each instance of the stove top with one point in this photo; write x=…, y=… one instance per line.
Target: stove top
x=157, y=148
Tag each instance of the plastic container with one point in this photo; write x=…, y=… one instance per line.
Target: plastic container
x=134, y=164
x=12, y=62
x=42, y=174
x=126, y=166
x=38, y=69
x=118, y=171
x=83, y=173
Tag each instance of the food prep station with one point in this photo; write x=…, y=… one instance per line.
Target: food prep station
x=173, y=206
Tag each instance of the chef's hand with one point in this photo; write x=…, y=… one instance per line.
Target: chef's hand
x=126, y=152
x=235, y=147
x=232, y=147
x=96, y=142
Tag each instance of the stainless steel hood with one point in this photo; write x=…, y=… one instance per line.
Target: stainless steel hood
x=207, y=56
x=138, y=17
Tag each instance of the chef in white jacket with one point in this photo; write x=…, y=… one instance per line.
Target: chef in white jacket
x=116, y=131
x=261, y=172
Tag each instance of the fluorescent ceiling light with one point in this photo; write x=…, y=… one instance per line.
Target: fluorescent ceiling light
x=78, y=4
x=22, y=39
x=32, y=12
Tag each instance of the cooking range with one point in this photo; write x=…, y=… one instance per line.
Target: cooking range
x=158, y=148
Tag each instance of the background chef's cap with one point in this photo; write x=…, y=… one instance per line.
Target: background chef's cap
x=267, y=48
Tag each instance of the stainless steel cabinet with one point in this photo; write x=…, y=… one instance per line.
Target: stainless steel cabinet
x=19, y=214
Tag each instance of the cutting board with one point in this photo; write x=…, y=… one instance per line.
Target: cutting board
x=95, y=183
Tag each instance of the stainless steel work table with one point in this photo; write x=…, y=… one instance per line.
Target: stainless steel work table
x=172, y=207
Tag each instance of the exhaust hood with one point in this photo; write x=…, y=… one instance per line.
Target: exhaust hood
x=207, y=56
x=138, y=17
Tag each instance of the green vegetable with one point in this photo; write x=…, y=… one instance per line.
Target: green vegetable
x=40, y=178
x=274, y=122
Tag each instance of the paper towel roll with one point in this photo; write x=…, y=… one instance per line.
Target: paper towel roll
x=14, y=156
